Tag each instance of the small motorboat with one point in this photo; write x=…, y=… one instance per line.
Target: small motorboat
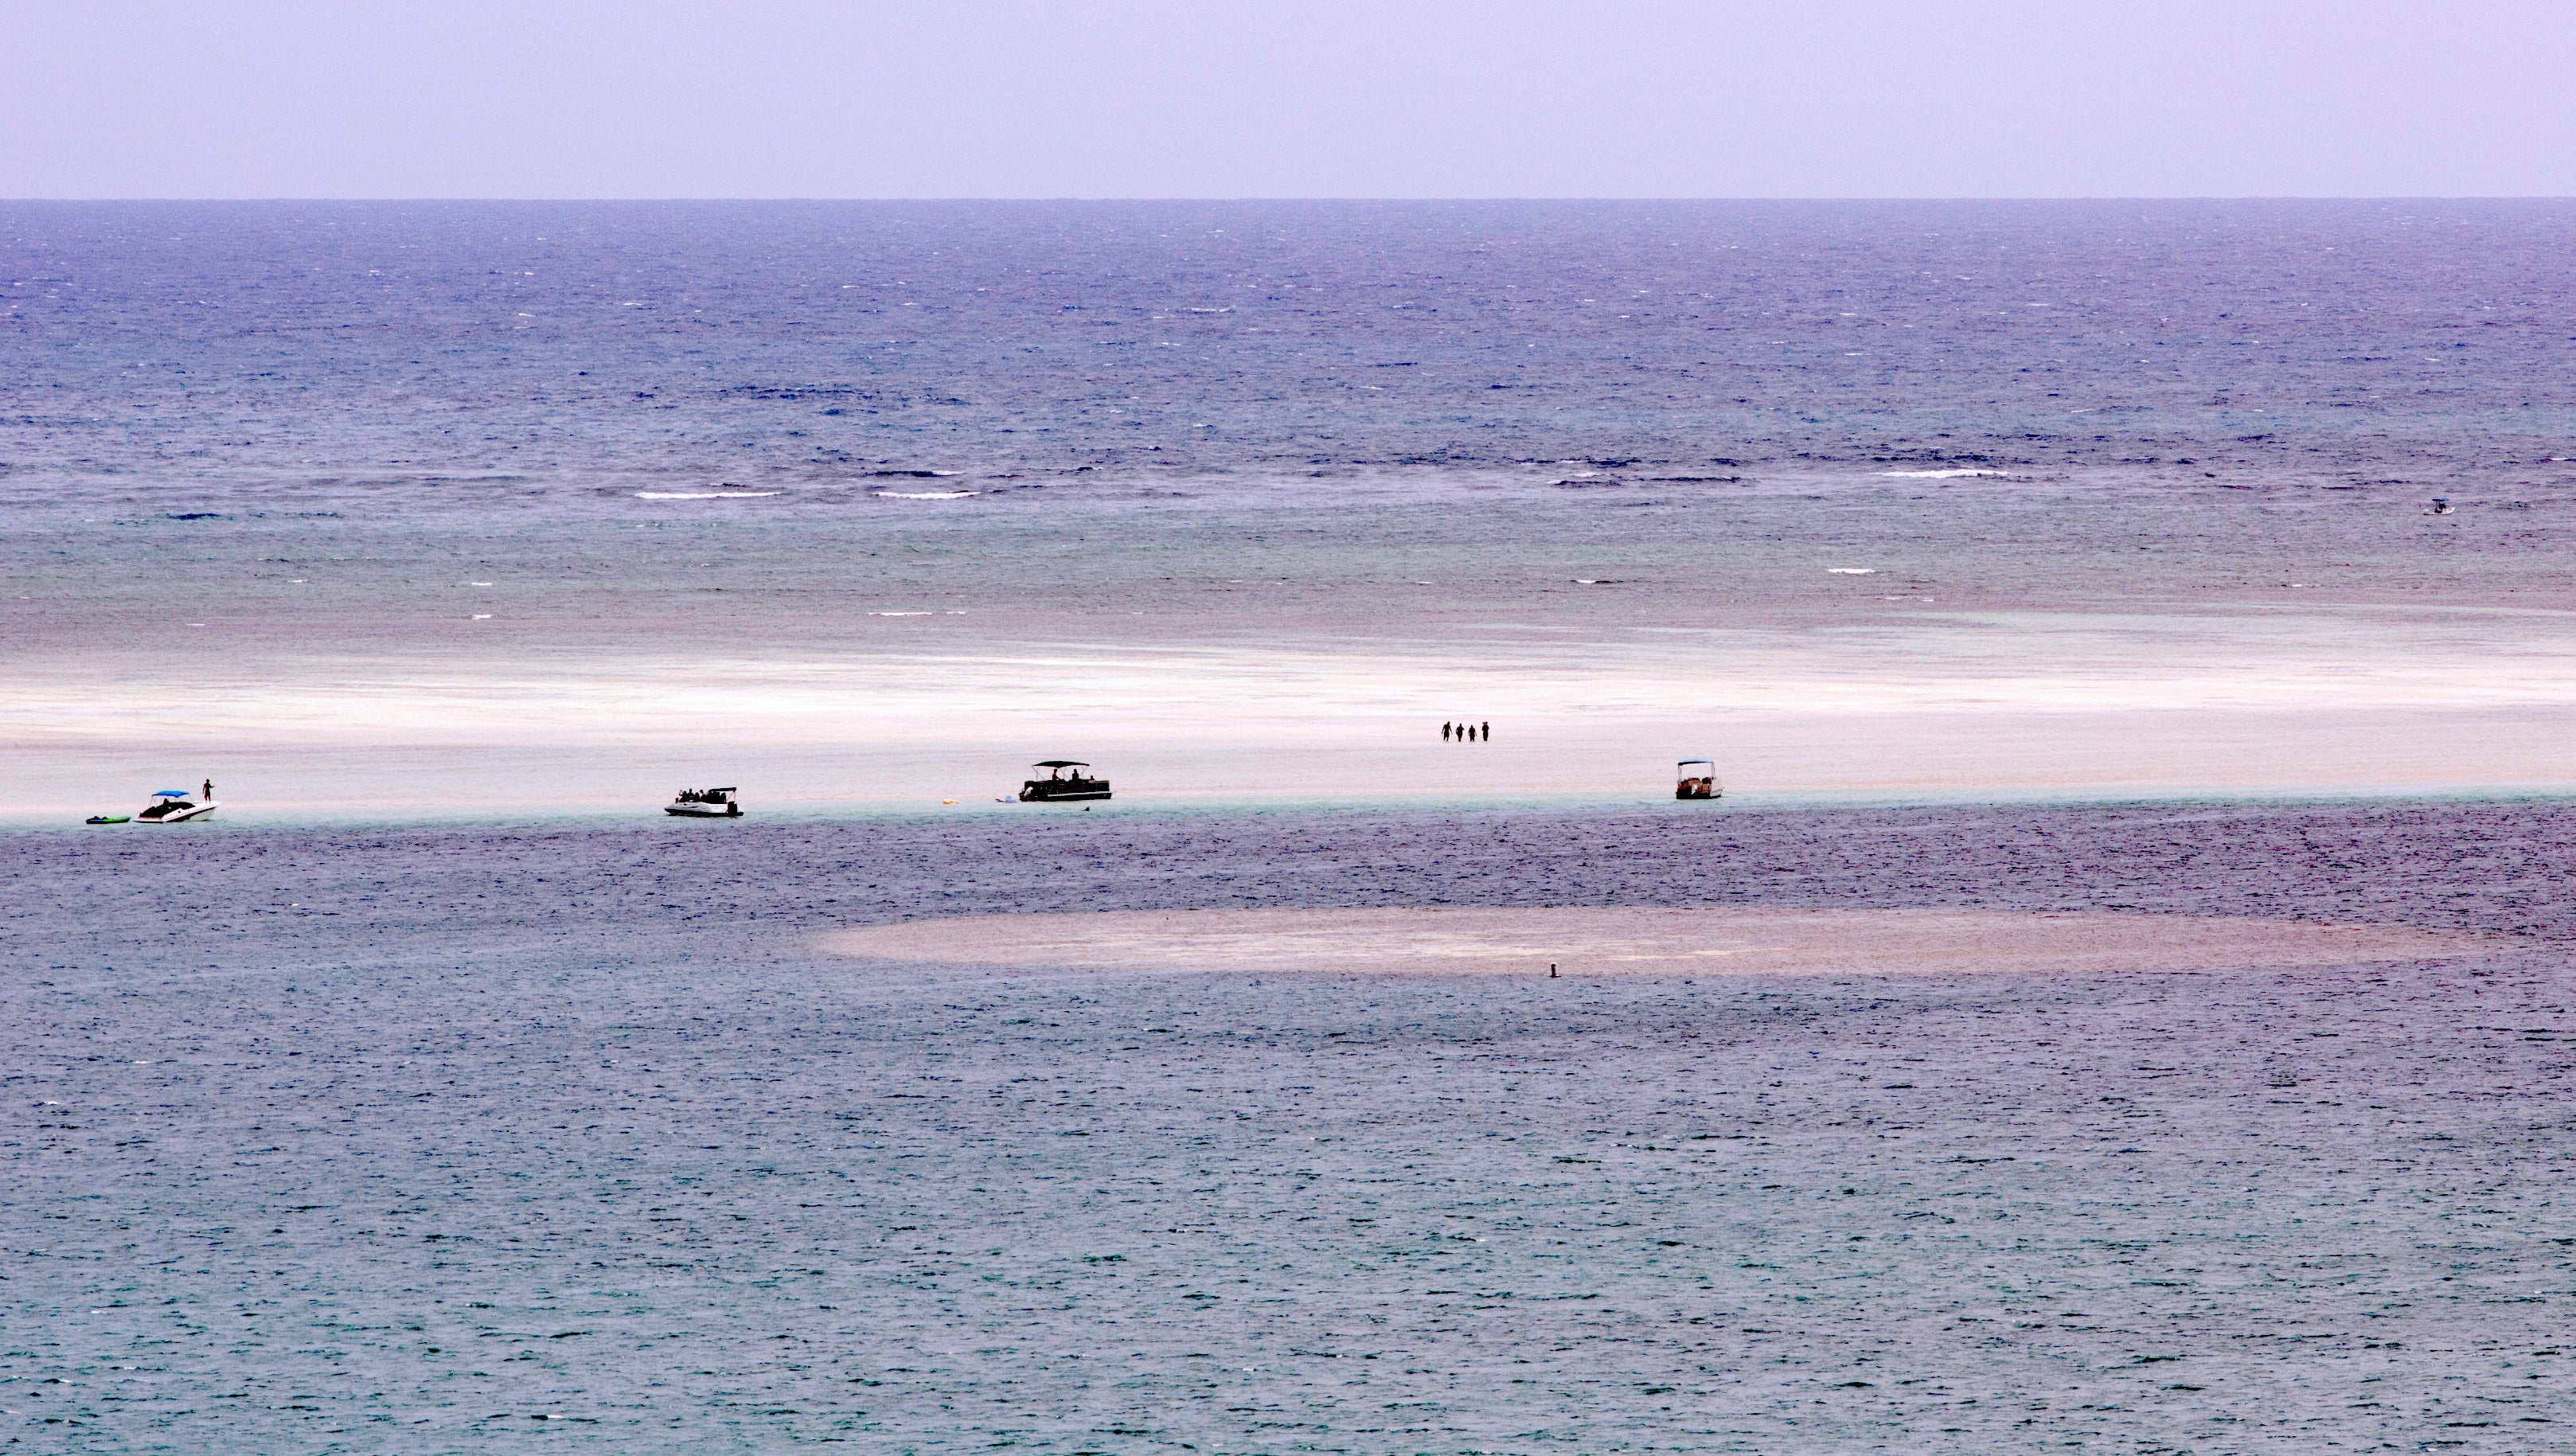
x=171, y=806
x=1061, y=787
x=704, y=804
x=1696, y=778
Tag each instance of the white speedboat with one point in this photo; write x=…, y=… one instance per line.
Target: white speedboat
x=704, y=804
x=173, y=806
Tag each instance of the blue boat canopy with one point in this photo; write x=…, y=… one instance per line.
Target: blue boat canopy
x=169, y=793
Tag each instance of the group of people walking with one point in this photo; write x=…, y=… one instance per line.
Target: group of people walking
x=1466, y=732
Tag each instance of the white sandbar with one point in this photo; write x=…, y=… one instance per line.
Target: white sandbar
x=1656, y=941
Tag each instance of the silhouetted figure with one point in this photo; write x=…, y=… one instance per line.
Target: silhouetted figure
x=1444, y=732
x=1489, y=732
x=208, y=796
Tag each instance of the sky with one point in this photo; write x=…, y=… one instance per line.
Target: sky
x=1321, y=98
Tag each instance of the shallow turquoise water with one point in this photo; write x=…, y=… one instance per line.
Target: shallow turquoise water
x=448, y=1139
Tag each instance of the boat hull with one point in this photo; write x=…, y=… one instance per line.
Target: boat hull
x=188, y=815
x=703, y=811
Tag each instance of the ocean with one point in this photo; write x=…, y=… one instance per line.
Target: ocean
x=533, y=507
x=2192, y=566
x=447, y=1139
x=445, y=354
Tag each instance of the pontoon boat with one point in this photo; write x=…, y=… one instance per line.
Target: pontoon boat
x=1059, y=786
x=705, y=804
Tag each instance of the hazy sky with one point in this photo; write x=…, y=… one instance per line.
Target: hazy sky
x=670, y=98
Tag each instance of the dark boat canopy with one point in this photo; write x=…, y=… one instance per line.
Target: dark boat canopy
x=1687, y=762
x=1061, y=763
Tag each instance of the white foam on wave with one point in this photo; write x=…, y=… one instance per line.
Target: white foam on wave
x=703, y=494
x=928, y=494
x=1853, y=570
x=1937, y=474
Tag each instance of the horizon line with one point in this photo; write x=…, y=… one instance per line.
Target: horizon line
x=1340, y=198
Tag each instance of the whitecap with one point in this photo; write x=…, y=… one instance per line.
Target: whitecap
x=928, y=494
x=1853, y=570
x=703, y=494
x=1937, y=474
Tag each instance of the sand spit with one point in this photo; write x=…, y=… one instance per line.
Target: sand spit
x=1721, y=942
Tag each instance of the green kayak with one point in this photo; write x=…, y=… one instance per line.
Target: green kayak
x=110, y=818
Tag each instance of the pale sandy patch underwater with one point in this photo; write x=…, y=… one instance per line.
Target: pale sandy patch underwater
x=1644, y=940
x=826, y=658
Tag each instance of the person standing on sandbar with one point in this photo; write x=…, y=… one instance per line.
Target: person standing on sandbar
x=1489, y=733
x=1444, y=732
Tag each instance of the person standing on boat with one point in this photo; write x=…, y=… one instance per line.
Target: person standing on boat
x=208, y=796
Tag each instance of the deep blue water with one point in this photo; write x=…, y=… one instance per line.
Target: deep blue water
x=385, y=345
